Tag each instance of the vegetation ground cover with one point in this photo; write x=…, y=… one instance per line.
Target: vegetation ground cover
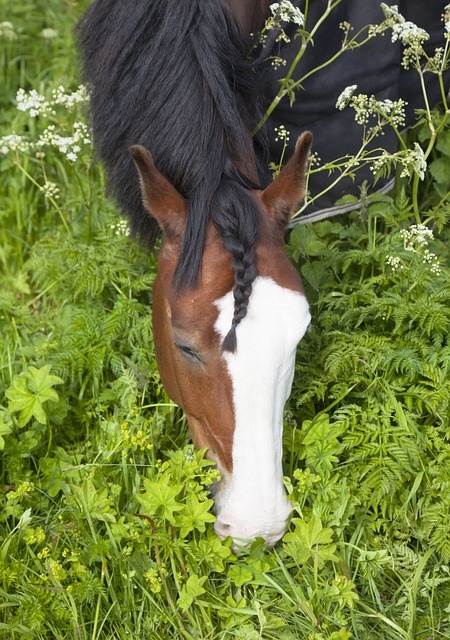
x=105, y=513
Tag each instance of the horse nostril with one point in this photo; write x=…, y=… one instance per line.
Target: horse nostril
x=222, y=528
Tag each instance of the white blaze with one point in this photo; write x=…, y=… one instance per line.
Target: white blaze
x=252, y=502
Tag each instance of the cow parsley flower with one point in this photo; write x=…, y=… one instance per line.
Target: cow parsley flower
x=13, y=142
x=415, y=240
x=409, y=34
x=367, y=107
x=446, y=20
x=7, y=32
x=416, y=237
x=70, y=100
x=50, y=190
x=345, y=97
x=286, y=12
x=121, y=228
x=33, y=102
x=282, y=133
x=395, y=263
x=70, y=146
x=48, y=34
x=414, y=160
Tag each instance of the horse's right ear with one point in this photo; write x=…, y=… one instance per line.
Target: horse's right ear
x=160, y=198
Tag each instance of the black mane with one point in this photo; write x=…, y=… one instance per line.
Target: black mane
x=173, y=76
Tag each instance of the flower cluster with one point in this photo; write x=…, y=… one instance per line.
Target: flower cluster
x=282, y=134
x=70, y=100
x=121, y=228
x=417, y=236
x=368, y=107
x=50, y=190
x=414, y=160
x=7, y=31
x=446, y=20
x=282, y=12
x=415, y=240
x=286, y=12
x=345, y=97
x=67, y=145
x=48, y=34
x=277, y=62
x=13, y=142
x=409, y=34
x=395, y=263
x=36, y=105
x=154, y=580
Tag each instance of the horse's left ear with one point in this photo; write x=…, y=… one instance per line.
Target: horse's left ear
x=160, y=197
x=287, y=189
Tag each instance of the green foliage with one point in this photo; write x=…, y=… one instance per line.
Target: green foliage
x=30, y=391
x=105, y=510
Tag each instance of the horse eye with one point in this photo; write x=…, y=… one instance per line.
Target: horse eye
x=188, y=351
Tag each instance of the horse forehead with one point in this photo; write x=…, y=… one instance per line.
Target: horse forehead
x=273, y=310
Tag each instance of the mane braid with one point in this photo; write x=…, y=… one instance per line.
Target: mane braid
x=173, y=76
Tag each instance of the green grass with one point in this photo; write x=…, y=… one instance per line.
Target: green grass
x=105, y=515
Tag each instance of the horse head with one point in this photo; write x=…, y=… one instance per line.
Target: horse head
x=233, y=396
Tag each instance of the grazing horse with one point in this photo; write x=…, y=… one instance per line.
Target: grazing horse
x=173, y=91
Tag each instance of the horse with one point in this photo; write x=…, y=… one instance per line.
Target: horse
x=174, y=100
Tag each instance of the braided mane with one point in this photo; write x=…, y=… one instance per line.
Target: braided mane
x=173, y=76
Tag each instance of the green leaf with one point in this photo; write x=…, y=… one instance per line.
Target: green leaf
x=190, y=591
x=213, y=552
x=310, y=540
x=195, y=515
x=239, y=574
x=5, y=430
x=443, y=143
x=29, y=393
x=160, y=499
x=440, y=170
x=91, y=502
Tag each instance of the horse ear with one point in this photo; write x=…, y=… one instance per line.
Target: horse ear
x=160, y=198
x=287, y=189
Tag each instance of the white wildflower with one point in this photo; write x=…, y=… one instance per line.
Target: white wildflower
x=48, y=34
x=315, y=159
x=121, y=228
x=345, y=97
x=13, y=142
x=286, y=12
x=7, y=31
x=409, y=34
x=70, y=100
x=50, y=190
x=382, y=164
x=414, y=160
x=395, y=263
x=446, y=20
x=278, y=62
x=282, y=133
x=33, y=102
x=416, y=237
x=67, y=145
